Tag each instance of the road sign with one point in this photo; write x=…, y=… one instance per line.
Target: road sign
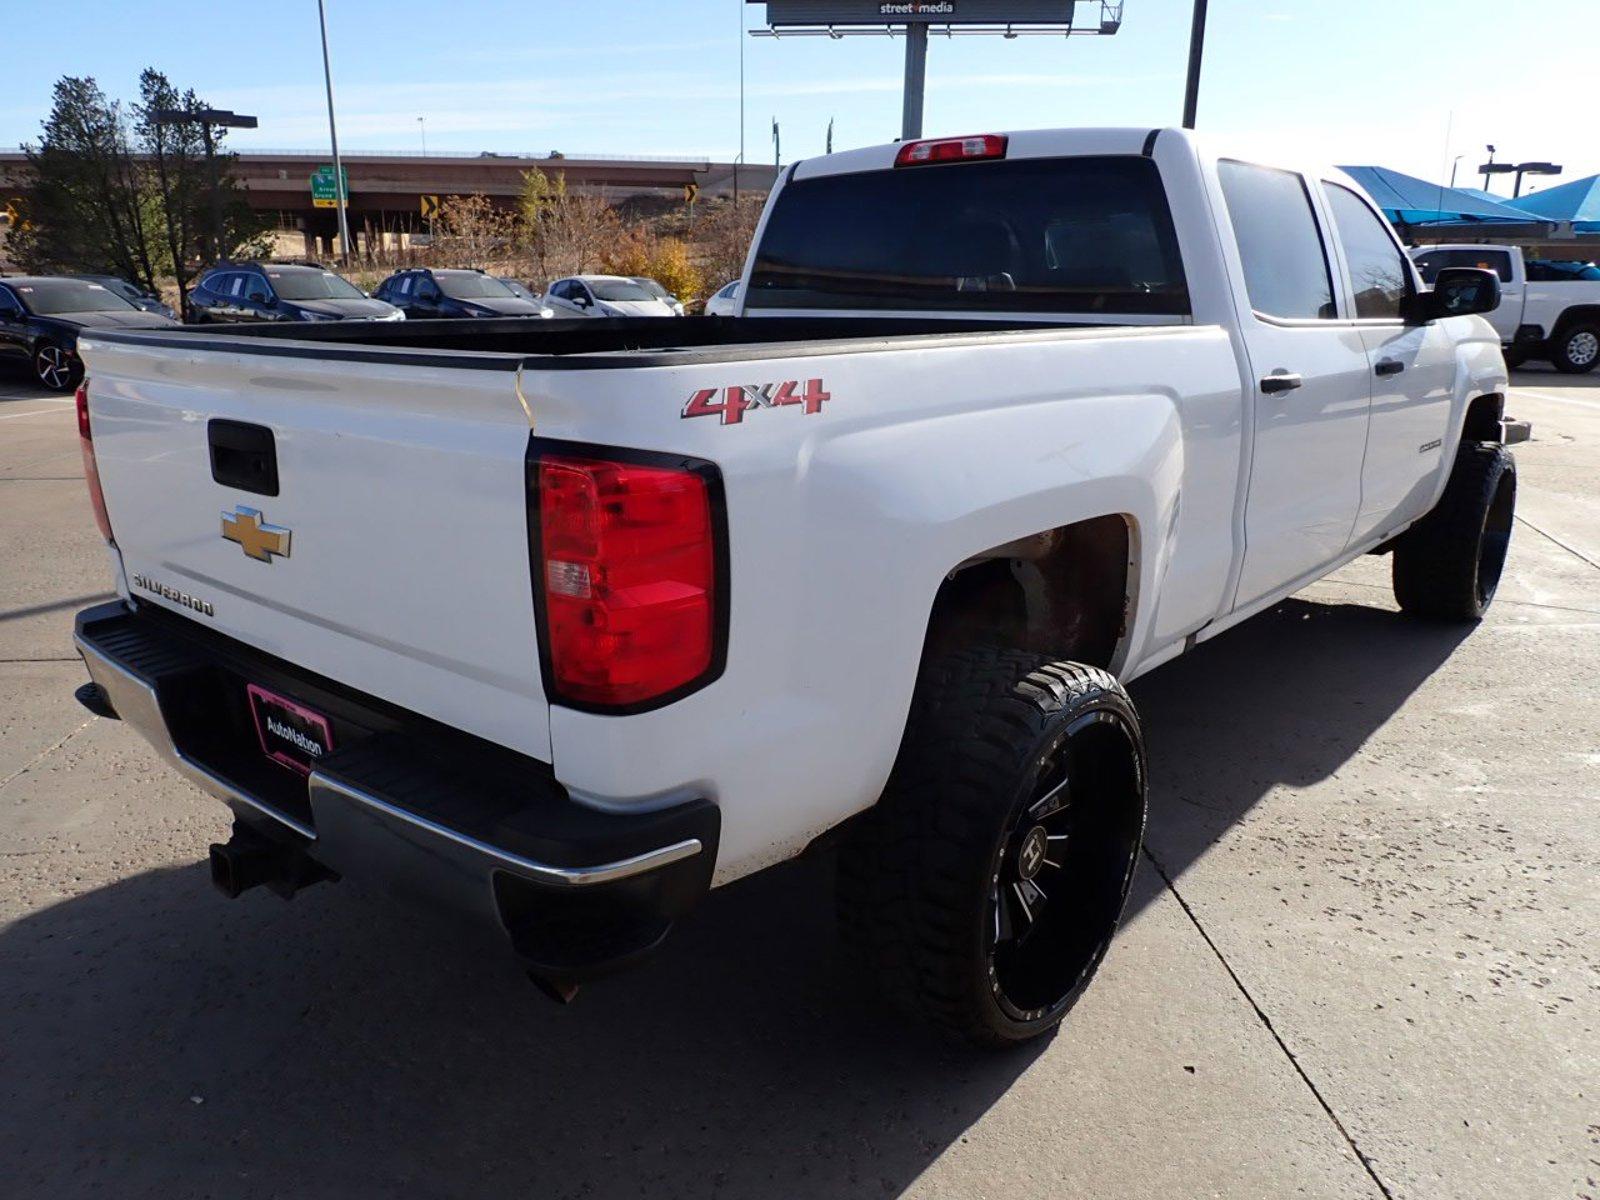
x=324, y=193
x=691, y=192
x=430, y=207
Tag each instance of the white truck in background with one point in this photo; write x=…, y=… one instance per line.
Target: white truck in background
x=563, y=624
x=1548, y=309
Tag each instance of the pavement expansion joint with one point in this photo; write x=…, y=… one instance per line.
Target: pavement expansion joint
x=1266, y=1022
x=1552, y=537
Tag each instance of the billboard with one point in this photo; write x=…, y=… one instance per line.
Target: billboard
x=918, y=12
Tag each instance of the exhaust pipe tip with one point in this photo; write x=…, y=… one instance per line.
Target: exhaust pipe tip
x=93, y=697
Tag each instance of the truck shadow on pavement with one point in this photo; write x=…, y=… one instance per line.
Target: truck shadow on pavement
x=161, y=1042
x=1284, y=699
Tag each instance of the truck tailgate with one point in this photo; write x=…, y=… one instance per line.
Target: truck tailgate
x=400, y=501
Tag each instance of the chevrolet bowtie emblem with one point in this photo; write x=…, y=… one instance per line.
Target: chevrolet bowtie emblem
x=258, y=539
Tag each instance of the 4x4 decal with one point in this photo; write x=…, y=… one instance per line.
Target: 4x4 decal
x=732, y=403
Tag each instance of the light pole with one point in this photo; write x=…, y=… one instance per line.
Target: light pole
x=1454, y=163
x=1533, y=168
x=341, y=199
x=422, y=124
x=1197, y=44
x=209, y=120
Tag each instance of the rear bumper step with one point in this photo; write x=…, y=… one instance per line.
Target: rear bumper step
x=427, y=812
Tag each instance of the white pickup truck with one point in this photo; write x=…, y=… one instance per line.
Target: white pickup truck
x=562, y=626
x=1547, y=310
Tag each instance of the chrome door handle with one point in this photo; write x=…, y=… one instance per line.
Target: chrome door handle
x=1280, y=381
x=1388, y=366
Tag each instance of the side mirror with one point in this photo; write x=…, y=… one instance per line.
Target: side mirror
x=1458, y=292
x=257, y=297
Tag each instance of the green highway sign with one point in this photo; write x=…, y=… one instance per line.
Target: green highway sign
x=323, y=188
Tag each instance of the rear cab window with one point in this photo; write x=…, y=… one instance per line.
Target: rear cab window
x=1280, y=247
x=1082, y=235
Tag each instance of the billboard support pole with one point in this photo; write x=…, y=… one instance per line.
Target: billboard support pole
x=1197, y=43
x=916, y=78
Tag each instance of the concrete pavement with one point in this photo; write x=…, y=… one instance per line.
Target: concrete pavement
x=1362, y=961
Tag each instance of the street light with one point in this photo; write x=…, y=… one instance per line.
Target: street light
x=1518, y=169
x=209, y=119
x=422, y=124
x=1533, y=168
x=333, y=136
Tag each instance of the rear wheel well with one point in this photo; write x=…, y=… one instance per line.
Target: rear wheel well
x=1483, y=418
x=1063, y=592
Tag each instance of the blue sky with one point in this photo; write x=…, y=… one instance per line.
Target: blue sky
x=1364, y=81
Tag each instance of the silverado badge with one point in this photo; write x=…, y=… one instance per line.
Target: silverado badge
x=258, y=539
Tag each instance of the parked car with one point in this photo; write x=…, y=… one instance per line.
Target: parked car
x=564, y=634
x=282, y=292
x=1548, y=310
x=425, y=293
x=725, y=301
x=660, y=292
x=133, y=294
x=523, y=292
x=604, y=296
x=42, y=315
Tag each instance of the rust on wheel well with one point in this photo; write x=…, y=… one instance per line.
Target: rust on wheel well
x=1062, y=591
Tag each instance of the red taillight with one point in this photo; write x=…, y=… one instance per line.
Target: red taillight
x=943, y=150
x=91, y=469
x=628, y=578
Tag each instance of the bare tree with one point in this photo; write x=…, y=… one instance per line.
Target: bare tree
x=568, y=232
x=724, y=239
x=473, y=229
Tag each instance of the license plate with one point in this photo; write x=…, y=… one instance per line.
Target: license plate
x=290, y=734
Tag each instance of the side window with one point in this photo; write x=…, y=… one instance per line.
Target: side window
x=8, y=303
x=238, y=283
x=1430, y=264
x=402, y=286
x=1285, y=265
x=563, y=290
x=1378, y=274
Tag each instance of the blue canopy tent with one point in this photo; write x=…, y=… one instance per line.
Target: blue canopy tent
x=1578, y=202
x=1407, y=200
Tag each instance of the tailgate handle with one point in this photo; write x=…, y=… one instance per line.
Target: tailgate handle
x=243, y=456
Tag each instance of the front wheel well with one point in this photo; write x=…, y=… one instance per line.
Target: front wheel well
x=1482, y=423
x=1062, y=591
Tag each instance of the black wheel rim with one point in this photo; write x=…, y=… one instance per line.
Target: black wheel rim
x=1495, y=540
x=1059, y=880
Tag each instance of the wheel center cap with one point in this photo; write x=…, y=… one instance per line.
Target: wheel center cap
x=1030, y=855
